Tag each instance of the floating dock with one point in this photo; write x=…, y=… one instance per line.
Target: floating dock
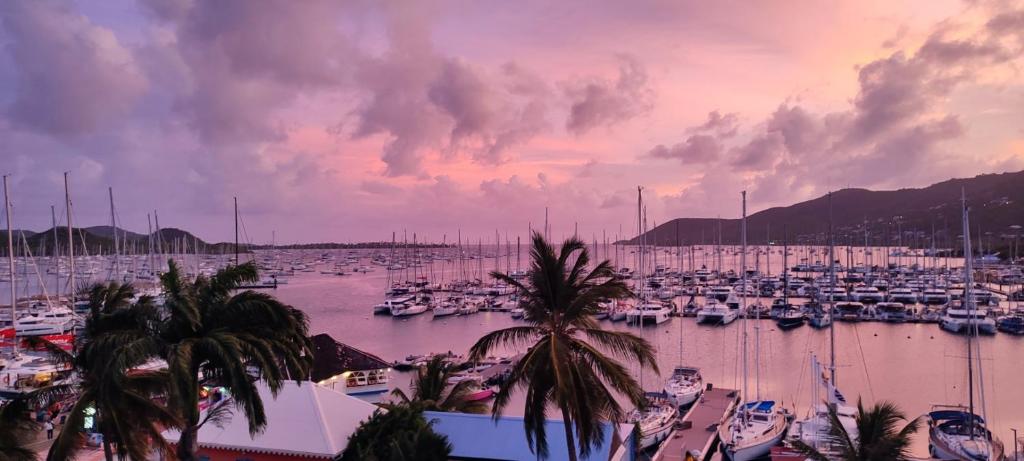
x=697, y=432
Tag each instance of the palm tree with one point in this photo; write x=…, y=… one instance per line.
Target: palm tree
x=396, y=433
x=17, y=429
x=878, y=437
x=221, y=334
x=561, y=367
x=430, y=390
x=117, y=339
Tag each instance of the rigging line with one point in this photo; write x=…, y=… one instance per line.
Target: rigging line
x=864, y=362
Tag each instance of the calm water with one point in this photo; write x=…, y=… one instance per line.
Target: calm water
x=915, y=365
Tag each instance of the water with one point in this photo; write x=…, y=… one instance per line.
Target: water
x=914, y=365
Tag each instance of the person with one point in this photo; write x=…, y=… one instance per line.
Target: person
x=49, y=429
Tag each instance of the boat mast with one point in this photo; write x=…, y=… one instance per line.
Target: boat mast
x=10, y=259
x=113, y=228
x=743, y=292
x=968, y=300
x=785, y=266
x=56, y=252
x=71, y=243
x=236, y=231
x=831, y=296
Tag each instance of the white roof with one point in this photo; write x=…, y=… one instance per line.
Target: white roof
x=305, y=420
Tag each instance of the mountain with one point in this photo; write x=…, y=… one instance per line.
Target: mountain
x=996, y=202
x=100, y=239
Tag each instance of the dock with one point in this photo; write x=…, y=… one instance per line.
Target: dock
x=697, y=432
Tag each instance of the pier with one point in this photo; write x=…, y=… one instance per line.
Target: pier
x=697, y=432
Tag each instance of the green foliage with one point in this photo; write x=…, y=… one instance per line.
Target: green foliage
x=879, y=438
x=219, y=333
x=431, y=391
x=398, y=433
x=562, y=366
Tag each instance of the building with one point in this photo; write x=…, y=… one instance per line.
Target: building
x=347, y=369
x=303, y=422
x=480, y=437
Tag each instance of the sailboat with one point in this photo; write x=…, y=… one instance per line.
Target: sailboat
x=957, y=432
x=686, y=384
x=757, y=425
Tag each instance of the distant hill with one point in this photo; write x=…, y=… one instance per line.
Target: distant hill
x=996, y=202
x=100, y=240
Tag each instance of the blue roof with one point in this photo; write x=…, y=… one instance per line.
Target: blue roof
x=764, y=406
x=481, y=437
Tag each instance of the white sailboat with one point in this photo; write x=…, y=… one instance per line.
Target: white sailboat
x=758, y=424
x=958, y=432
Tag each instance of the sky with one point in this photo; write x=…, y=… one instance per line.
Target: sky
x=349, y=120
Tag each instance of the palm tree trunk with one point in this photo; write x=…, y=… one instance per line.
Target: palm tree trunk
x=188, y=443
x=569, y=443
x=108, y=453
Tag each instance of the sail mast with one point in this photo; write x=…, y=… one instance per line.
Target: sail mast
x=71, y=243
x=831, y=295
x=113, y=229
x=968, y=301
x=10, y=259
x=743, y=290
x=236, y=231
x=56, y=252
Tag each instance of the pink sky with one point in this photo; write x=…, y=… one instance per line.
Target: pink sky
x=345, y=121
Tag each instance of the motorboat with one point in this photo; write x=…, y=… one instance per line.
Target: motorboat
x=1012, y=324
x=55, y=321
x=718, y=292
x=684, y=386
x=716, y=313
x=832, y=294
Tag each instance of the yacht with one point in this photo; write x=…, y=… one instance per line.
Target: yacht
x=56, y=321
x=815, y=431
x=719, y=292
x=903, y=295
x=385, y=307
x=892, y=312
x=655, y=422
x=867, y=295
x=449, y=306
x=406, y=310
x=684, y=386
x=649, y=312
x=819, y=317
x=791, y=318
x=832, y=294
x=849, y=311
x=754, y=430
x=934, y=296
x=957, y=320
x=955, y=434
x=716, y=313
x=1012, y=324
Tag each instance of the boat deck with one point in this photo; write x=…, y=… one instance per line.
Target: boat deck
x=499, y=368
x=698, y=429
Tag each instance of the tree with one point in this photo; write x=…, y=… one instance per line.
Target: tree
x=231, y=339
x=17, y=430
x=430, y=390
x=397, y=433
x=878, y=438
x=121, y=398
x=559, y=298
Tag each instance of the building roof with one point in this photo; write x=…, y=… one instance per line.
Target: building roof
x=331, y=358
x=481, y=437
x=304, y=420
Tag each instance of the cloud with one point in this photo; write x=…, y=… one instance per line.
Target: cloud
x=722, y=126
x=698, y=148
x=759, y=153
x=604, y=103
x=72, y=76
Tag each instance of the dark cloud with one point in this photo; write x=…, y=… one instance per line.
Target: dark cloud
x=698, y=148
x=760, y=153
x=72, y=77
x=604, y=103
